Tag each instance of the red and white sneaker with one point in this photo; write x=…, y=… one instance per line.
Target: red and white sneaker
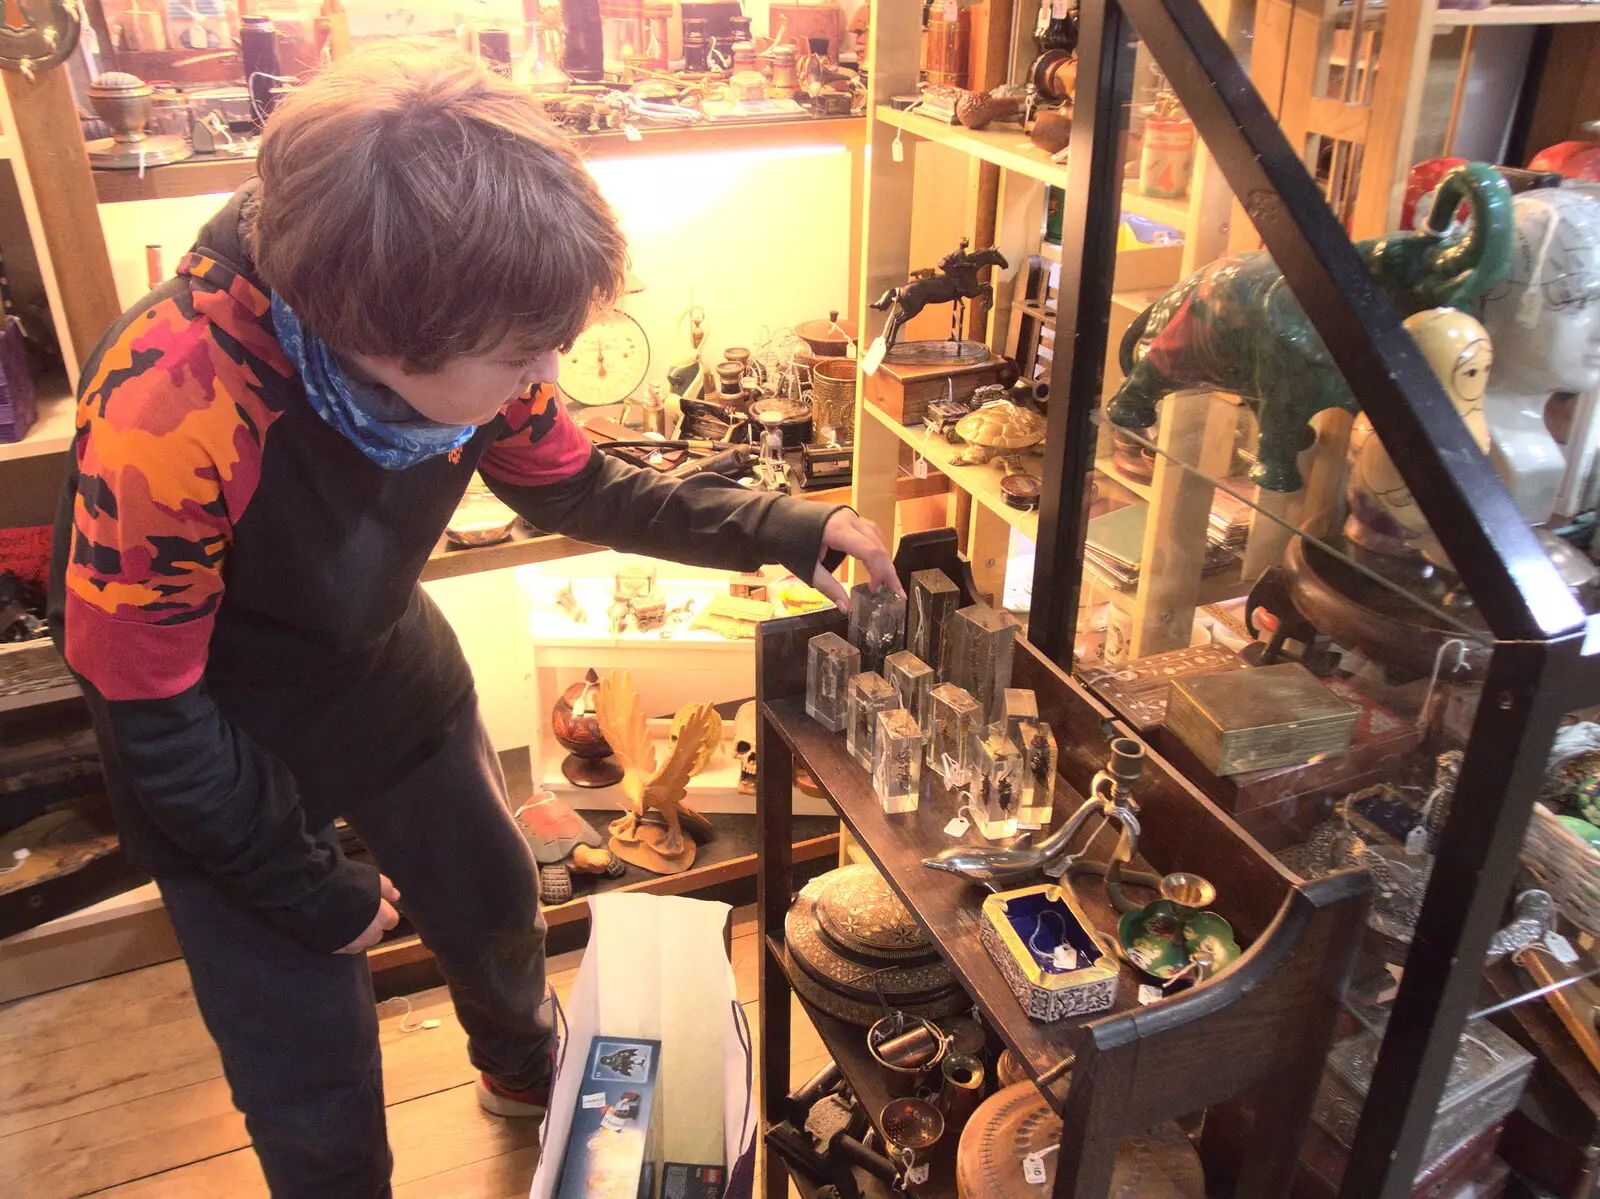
x=501, y=1100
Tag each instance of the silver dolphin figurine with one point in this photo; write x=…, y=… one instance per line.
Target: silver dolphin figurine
x=1001, y=869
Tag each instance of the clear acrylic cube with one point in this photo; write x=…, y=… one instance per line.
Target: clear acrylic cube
x=1039, y=756
x=897, y=760
x=877, y=624
x=867, y=694
x=996, y=783
x=912, y=679
x=830, y=663
x=952, y=716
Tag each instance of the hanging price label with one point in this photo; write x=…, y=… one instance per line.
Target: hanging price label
x=1148, y=994
x=917, y=1175
x=1560, y=948
x=612, y=1122
x=1064, y=958
x=1033, y=1170
x=1417, y=840
x=897, y=151
x=958, y=827
x=949, y=11
x=874, y=356
x=631, y=132
x=919, y=467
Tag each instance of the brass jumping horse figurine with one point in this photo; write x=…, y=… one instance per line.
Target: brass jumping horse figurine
x=956, y=281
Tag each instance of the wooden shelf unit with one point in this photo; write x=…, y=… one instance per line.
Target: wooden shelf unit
x=1291, y=973
x=981, y=482
x=223, y=172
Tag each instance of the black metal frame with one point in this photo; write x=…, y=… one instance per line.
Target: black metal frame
x=1538, y=669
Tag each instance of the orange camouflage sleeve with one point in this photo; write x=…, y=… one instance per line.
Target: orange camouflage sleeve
x=542, y=443
x=170, y=435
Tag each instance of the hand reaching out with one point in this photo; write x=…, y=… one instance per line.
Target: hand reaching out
x=848, y=532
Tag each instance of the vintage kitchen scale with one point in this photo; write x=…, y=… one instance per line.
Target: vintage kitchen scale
x=856, y=951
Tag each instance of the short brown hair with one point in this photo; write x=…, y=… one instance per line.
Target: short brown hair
x=414, y=205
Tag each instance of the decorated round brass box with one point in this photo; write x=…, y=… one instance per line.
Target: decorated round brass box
x=1016, y=1123
x=852, y=940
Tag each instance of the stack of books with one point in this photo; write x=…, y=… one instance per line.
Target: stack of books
x=1114, y=547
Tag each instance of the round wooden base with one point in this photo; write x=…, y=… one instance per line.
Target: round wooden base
x=591, y=772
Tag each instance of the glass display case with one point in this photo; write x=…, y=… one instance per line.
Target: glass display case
x=1305, y=455
x=1296, y=434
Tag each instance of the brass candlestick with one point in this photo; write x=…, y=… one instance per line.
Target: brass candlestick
x=122, y=101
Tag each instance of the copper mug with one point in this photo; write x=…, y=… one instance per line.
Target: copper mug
x=909, y=1056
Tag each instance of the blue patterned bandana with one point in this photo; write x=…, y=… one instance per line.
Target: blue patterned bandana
x=381, y=424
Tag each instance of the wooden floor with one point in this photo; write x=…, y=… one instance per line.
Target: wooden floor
x=113, y=1088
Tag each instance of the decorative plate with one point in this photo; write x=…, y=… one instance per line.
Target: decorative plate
x=1161, y=941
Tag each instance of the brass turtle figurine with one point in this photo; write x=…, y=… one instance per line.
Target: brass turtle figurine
x=999, y=427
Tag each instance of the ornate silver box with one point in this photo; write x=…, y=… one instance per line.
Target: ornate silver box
x=1486, y=1080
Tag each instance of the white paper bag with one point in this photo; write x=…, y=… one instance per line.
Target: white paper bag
x=657, y=967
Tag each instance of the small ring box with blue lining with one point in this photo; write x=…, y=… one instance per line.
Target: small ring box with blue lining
x=1055, y=963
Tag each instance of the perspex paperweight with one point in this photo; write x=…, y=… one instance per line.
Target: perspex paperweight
x=912, y=679
x=933, y=600
x=877, y=624
x=830, y=661
x=1039, y=753
x=897, y=760
x=996, y=766
x=952, y=716
x=979, y=647
x=866, y=695
x=1016, y=705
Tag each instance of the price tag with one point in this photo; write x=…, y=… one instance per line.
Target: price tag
x=1033, y=1169
x=874, y=356
x=919, y=467
x=1064, y=957
x=631, y=132
x=1060, y=8
x=896, y=150
x=594, y=1100
x=431, y=1023
x=1417, y=840
x=958, y=827
x=1560, y=948
x=949, y=11
x=1148, y=994
x=917, y=1175
x=611, y=1121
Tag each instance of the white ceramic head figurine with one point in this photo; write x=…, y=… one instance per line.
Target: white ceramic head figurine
x=1545, y=317
x=1545, y=323
x=1384, y=517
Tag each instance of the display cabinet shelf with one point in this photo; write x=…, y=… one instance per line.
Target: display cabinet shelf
x=847, y=1044
x=730, y=857
x=1285, y=988
x=980, y=482
x=1009, y=148
x=222, y=173
x=52, y=431
x=1518, y=14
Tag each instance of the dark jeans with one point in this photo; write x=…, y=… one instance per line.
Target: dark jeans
x=298, y=1030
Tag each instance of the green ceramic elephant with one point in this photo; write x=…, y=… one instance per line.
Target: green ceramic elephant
x=1235, y=326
